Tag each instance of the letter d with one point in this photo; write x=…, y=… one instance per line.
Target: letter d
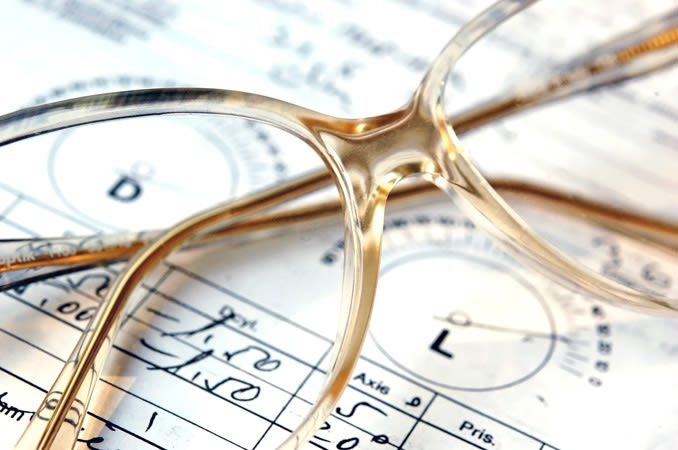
x=125, y=190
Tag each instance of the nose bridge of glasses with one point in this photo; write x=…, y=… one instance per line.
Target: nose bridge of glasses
x=392, y=147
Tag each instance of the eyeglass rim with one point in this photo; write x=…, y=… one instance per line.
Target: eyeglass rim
x=510, y=230
x=288, y=117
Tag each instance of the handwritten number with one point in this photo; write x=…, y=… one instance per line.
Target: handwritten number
x=416, y=401
x=91, y=441
x=150, y=422
x=355, y=407
x=380, y=439
x=653, y=275
x=101, y=282
x=347, y=444
x=265, y=364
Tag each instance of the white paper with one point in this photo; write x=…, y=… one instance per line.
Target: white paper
x=467, y=348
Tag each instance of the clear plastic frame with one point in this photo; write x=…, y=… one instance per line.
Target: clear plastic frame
x=365, y=159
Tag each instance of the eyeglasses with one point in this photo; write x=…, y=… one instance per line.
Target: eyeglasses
x=347, y=170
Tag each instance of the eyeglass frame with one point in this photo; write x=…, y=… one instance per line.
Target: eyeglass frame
x=365, y=158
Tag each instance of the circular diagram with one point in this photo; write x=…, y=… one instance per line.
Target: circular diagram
x=150, y=172
x=113, y=173
x=457, y=314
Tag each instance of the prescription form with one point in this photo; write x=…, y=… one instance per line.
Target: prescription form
x=611, y=387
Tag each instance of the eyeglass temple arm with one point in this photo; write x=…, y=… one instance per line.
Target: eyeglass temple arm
x=650, y=47
x=25, y=261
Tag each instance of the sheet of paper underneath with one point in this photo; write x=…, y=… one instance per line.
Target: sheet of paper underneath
x=557, y=370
